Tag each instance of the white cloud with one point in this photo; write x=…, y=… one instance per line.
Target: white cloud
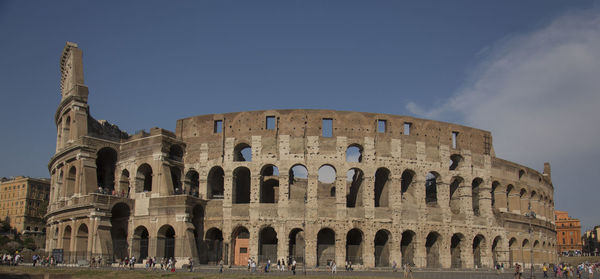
x=539, y=94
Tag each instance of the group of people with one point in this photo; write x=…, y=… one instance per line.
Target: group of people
x=281, y=265
x=583, y=270
x=9, y=259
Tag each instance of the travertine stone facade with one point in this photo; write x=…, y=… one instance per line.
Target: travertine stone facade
x=316, y=185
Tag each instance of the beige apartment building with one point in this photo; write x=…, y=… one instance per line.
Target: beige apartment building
x=24, y=201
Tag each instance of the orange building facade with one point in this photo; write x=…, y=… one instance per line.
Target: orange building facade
x=568, y=233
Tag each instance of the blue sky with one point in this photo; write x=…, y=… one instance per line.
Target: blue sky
x=524, y=70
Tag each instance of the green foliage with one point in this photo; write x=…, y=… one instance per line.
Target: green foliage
x=5, y=226
x=29, y=243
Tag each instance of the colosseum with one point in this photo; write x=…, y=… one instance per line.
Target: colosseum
x=313, y=185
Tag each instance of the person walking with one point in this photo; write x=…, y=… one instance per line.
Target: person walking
x=394, y=266
x=221, y=266
x=294, y=266
x=191, y=264
x=333, y=267
x=545, y=270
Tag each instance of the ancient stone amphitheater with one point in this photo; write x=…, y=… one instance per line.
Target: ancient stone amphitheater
x=313, y=185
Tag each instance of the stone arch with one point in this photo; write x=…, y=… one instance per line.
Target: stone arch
x=524, y=201
x=510, y=204
x=140, y=242
x=407, y=192
x=325, y=246
x=354, y=246
x=214, y=245
x=119, y=221
x=431, y=180
x=476, y=195
x=165, y=242
x=455, y=161
x=513, y=256
x=71, y=179
x=197, y=218
x=433, y=243
x=407, y=247
x=382, y=241
x=240, y=237
x=267, y=245
x=382, y=187
x=124, y=183
x=269, y=184
x=454, y=200
x=216, y=183
x=176, y=153
x=106, y=163
x=296, y=245
x=67, y=240
x=354, y=181
x=192, y=183
x=81, y=242
x=298, y=182
x=525, y=253
x=479, y=251
x=457, y=243
x=143, y=178
x=326, y=180
x=242, y=153
x=493, y=192
x=176, y=180
x=498, y=251
x=66, y=135
x=354, y=153
x=241, y=185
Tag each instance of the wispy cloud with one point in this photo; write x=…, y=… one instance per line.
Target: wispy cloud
x=539, y=94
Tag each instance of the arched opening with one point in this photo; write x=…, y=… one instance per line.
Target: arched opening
x=354, y=180
x=454, y=194
x=198, y=222
x=524, y=201
x=269, y=184
x=382, y=248
x=240, y=238
x=71, y=176
x=408, y=192
x=496, y=250
x=165, y=238
x=67, y=244
x=81, y=243
x=431, y=180
x=214, y=246
x=267, y=245
x=354, y=246
x=176, y=153
x=512, y=248
x=521, y=173
x=124, y=184
x=216, y=182
x=509, y=203
x=66, y=136
x=192, y=183
x=495, y=186
x=432, y=249
x=532, y=197
x=140, y=242
x=325, y=246
x=106, y=163
x=326, y=179
x=382, y=188
x=478, y=245
x=455, y=161
x=296, y=245
x=354, y=153
x=242, y=153
x=525, y=250
x=456, y=244
x=241, y=185
x=475, y=186
x=119, y=221
x=176, y=180
x=298, y=181
x=143, y=179
x=407, y=247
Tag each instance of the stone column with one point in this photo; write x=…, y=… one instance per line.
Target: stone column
x=253, y=243
x=310, y=240
x=340, y=197
x=369, y=195
x=368, y=248
x=283, y=242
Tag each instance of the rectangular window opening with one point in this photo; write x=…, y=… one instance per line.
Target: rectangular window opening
x=327, y=128
x=381, y=125
x=270, y=122
x=218, y=126
x=407, y=126
x=454, y=138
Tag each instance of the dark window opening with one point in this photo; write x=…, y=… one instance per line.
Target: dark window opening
x=454, y=139
x=407, y=126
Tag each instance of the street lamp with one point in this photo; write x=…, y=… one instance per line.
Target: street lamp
x=530, y=215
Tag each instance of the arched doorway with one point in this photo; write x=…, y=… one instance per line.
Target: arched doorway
x=198, y=222
x=354, y=180
x=478, y=247
x=354, y=246
x=382, y=188
x=407, y=247
x=215, y=183
x=325, y=246
x=214, y=245
x=140, y=243
x=67, y=244
x=241, y=186
x=105, y=169
x=81, y=243
x=456, y=243
x=143, y=179
x=267, y=245
x=296, y=245
x=165, y=237
x=432, y=249
x=382, y=248
x=240, y=238
x=119, y=221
